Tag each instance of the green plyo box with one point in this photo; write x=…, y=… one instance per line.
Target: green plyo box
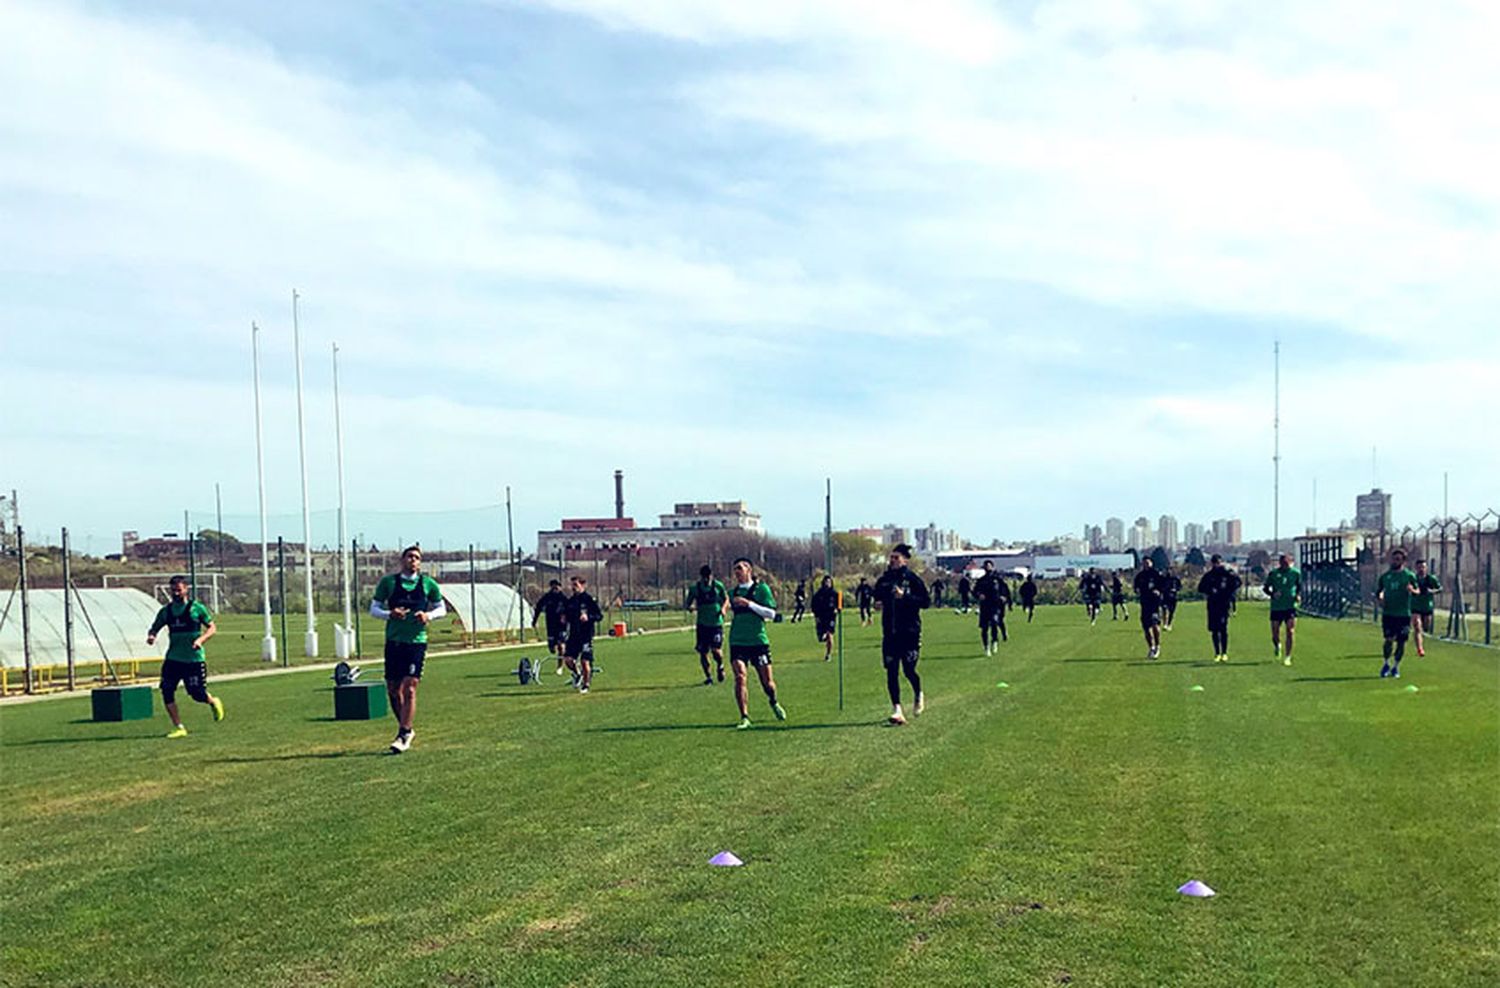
x=122, y=703
x=359, y=701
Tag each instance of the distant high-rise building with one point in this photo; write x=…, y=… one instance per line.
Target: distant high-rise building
x=1141, y=536
x=893, y=534
x=1114, y=534
x=1166, y=532
x=1219, y=534
x=1236, y=532
x=1192, y=534
x=1372, y=511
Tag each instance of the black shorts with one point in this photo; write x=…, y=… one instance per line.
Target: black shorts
x=904, y=652
x=1116, y=600
x=990, y=616
x=404, y=659
x=1150, y=617
x=826, y=627
x=1091, y=601
x=1218, y=618
x=1286, y=615
x=710, y=638
x=193, y=676
x=758, y=656
x=579, y=647
x=556, y=637
x=1170, y=603
x=1394, y=627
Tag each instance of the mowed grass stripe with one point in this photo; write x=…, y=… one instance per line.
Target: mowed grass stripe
x=1009, y=836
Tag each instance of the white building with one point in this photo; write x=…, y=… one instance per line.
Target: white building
x=712, y=515
x=1166, y=532
x=1192, y=534
x=1114, y=535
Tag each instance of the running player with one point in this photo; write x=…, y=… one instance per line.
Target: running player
x=1397, y=586
x=1284, y=586
x=1422, y=603
x=551, y=605
x=1091, y=586
x=799, y=601
x=1028, y=597
x=825, y=608
x=188, y=625
x=1219, y=587
x=865, y=595
x=965, y=588
x=992, y=594
x=1171, y=587
x=407, y=602
x=902, y=596
x=1148, y=591
x=937, y=588
x=749, y=645
x=711, y=601
x=1118, y=606
x=584, y=616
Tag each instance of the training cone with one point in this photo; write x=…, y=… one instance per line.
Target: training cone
x=1002, y=686
x=1411, y=689
x=1195, y=688
x=1197, y=890
x=725, y=859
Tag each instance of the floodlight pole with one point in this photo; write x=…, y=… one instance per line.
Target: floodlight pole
x=268, y=638
x=310, y=639
x=1276, y=456
x=828, y=564
x=341, y=640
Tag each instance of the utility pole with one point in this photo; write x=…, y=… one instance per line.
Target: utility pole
x=310, y=640
x=1276, y=456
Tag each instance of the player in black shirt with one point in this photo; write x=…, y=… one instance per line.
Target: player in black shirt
x=1171, y=585
x=1148, y=590
x=937, y=588
x=583, y=616
x=1091, y=586
x=550, y=605
x=902, y=596
x=1219, y=587
x=799, y=601
x=825, y=608
x=1117, y=601
x=964, y=588
x=1028, y=597
x=992, y=594
x=864, y=594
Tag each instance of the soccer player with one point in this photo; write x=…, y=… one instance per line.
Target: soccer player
x=1284, y=586
x=711, y=600
x=1118, y=606
x=1397, y=586
x=902, y=596
x=188, y=625
x=1148, y=591
x=1171, y=587
x=937, y=588
x=1219, y=586
x=965, y=588
x=1028, y=597
x=551, y=605
x=584, y=615
x=865, y=595
x=407, y=602
x=799, y=601
x=1422, y=603
x=1091, y=586
x=825, y=608
x=992, y=594
x=749, y=645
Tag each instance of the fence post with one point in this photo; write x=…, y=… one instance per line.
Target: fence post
x=25, y=609
x=1489, y=574
x=67, y=578
x=286, y=657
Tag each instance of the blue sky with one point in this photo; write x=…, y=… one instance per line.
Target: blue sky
x=1010, y=267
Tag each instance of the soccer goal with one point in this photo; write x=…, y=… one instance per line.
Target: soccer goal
x=210, y=588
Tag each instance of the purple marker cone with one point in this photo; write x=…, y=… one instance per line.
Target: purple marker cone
x=1197, y=890
x=726, y=859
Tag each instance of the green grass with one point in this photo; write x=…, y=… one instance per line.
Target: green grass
x=1030, y=836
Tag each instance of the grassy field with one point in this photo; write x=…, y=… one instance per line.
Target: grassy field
x=1029, y=835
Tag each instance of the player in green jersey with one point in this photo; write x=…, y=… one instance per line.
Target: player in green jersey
x=1422, y=604
x=1284, y=586
x=749, y=645
x=190, y=625
x=709, y=598
x=1397, y=587
x=407, y=602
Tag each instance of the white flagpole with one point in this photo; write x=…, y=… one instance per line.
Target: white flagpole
x=268, y=640
x=310, y=640
x=343, y=644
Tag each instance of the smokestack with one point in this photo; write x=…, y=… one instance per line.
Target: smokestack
x=619, y=494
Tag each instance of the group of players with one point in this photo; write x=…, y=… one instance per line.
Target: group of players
x=408, y=601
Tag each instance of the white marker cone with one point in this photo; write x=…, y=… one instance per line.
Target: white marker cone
x=1197, y=890
x=725, y=859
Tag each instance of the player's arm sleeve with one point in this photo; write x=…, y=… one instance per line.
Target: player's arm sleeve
x=762, y=603
x=159, y=623
x=919, y=595
x=595, y=614
x=438, y=609
x=377, y=603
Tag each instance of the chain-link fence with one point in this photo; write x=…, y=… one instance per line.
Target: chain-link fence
x=1462, y=553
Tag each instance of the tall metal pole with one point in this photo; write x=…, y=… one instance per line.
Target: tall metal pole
x=473, y=621
x=1276, y=456
x=67, y=578
x=25, y=610
x=828, y=564
x=286, y=656
x=354, y=557
x=310, y=640
x=510, y=538
x=219, y=521
x=342, y=642
x=192, y=557
x=268, y=638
